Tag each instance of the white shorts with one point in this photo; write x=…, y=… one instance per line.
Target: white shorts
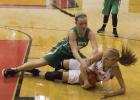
x=74, y=64
x=73, y=76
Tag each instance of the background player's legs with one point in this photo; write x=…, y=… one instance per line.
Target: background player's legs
x=115, y=10
x=106, y=12
x=105, y=20
x=114, y=24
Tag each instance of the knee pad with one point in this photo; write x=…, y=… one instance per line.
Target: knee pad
x=55, y=75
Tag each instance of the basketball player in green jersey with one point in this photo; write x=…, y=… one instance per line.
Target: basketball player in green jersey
x=67, y=48
x=113, y=7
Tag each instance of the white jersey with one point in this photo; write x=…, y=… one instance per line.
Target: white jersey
x=98, y=69
x=74, y=71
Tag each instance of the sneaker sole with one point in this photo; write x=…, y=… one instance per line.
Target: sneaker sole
x=101, y=32
x=3, y=73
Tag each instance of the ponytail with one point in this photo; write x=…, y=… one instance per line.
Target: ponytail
x=127, y=57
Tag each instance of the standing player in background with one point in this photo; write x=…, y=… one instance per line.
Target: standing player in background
x=113, y=7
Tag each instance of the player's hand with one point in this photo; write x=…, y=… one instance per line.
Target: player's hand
x=105, y=94
x=83, y=63
x=86, y=85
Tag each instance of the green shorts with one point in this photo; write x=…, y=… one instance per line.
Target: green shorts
x=111, y=6
x=54, y=58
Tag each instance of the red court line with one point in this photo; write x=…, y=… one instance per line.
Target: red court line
x=12, y=53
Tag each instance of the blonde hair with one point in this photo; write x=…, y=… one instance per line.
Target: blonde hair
x=126, y=56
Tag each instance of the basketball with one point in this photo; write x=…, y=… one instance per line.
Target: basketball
x=92, y=78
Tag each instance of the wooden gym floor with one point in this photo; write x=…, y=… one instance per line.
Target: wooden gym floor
x=30, y=21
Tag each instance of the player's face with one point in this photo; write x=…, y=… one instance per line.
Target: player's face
x=81, y=23
x=107, y=58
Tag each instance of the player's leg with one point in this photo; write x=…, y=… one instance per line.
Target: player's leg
x=105, y=20
x=71, y=64
x=71, y=76
x=25, y=67
x=115, y=10
x=106, y=12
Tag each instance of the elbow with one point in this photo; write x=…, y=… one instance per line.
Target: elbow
x=123, y=91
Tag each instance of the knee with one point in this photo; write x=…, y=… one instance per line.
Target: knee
x=40, y=62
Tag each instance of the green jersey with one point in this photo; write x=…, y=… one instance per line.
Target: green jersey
x=63, y=51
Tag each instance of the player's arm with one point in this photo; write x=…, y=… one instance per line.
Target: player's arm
x=93, y=42
x=73, y=45
x=120, y=80
x=83, y=63
x=96, y=57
